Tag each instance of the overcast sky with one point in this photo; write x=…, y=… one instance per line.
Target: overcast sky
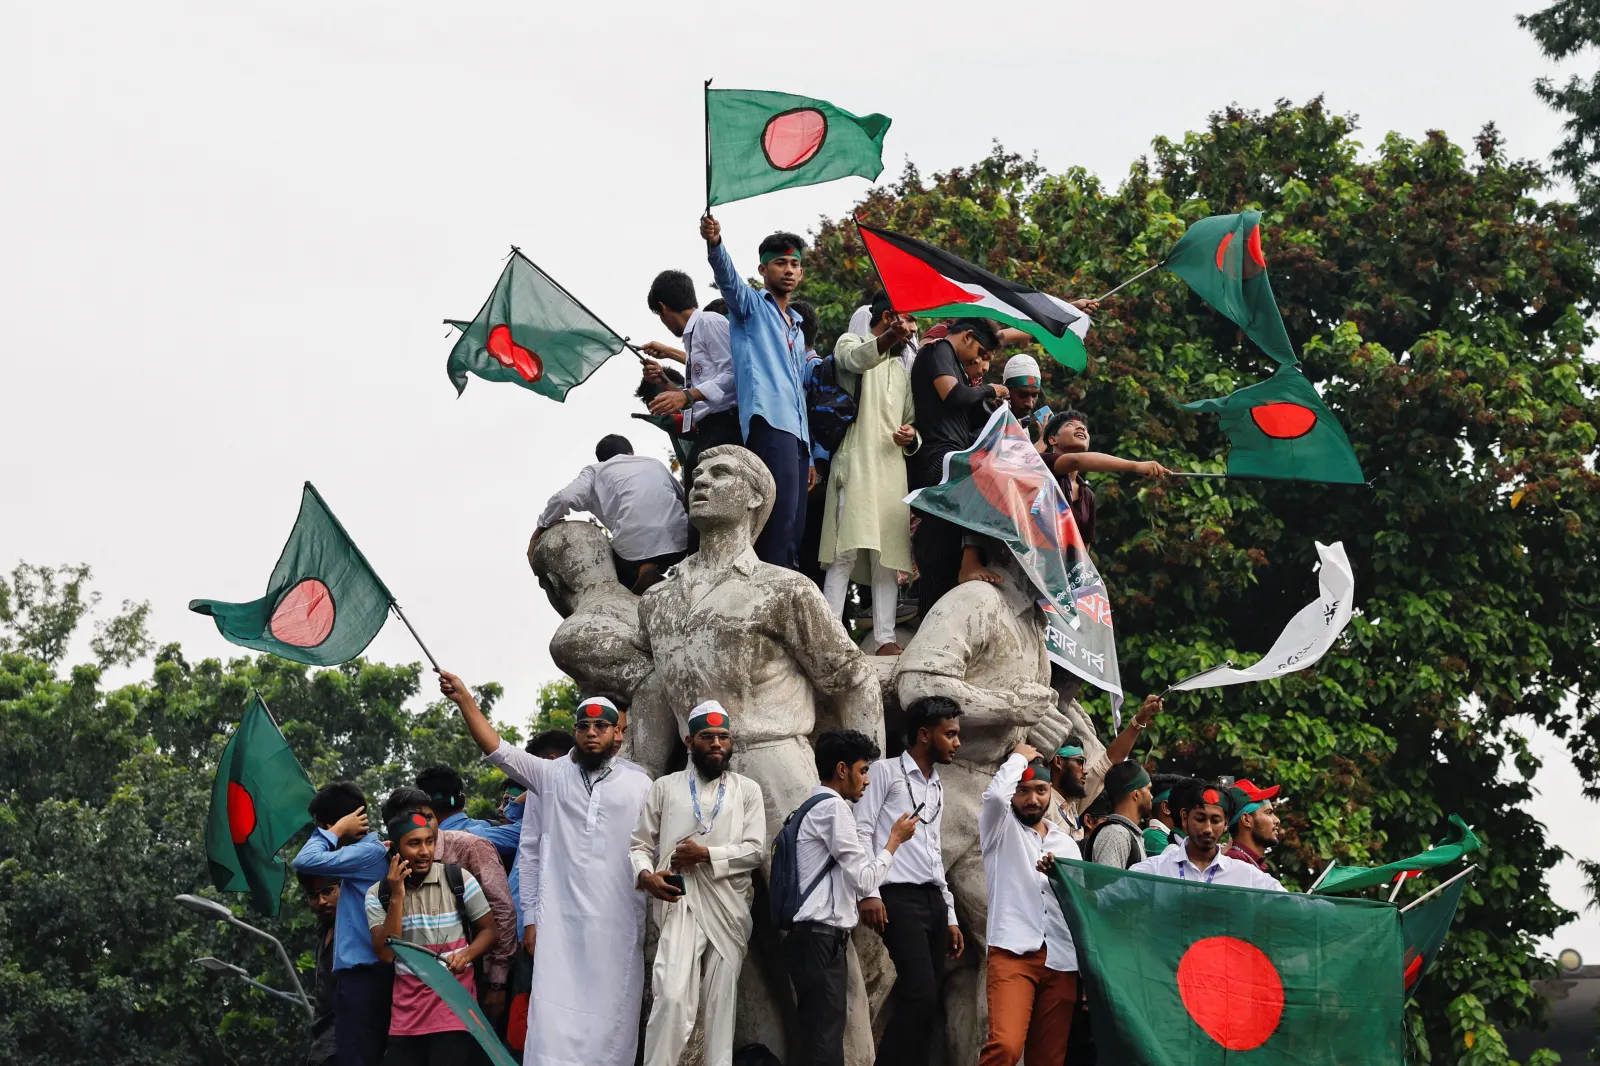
x=230, y=233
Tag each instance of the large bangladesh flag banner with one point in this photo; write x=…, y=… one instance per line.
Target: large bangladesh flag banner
x=759, y=142
x=323, y=604
x=1000, y=487
x=1212, y=975
x=1221, y=259
x=258, y=801
x=1280, y=428
x=531, y=332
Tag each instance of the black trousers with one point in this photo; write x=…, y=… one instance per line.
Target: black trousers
x=789, y=461
x=936, y=547
x=916, y=937
x=361, y=1013
x=814, y=955
x=713, y=431
x=628, y=569
x=455, y=1048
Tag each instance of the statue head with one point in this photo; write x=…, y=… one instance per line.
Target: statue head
x=731, y=485
x=569, y=559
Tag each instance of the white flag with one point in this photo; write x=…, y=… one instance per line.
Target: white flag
x=1309, y=634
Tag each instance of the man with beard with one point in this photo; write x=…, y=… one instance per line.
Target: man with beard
x=702, y=832
x=1032, y=979
x=913, y=910
x=1023, y=379
x=590, y=965
x=1118, y=841
x=1204, y=810
x=322, y=895
x=1254, y=825
x=1162, y=828
x=1078, y=782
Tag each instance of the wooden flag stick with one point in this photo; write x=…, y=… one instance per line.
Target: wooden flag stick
x=1130, y=281
x=395, y=607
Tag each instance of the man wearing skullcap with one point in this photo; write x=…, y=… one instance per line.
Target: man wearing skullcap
x=1254, y=826
x=590, y=962
x=1032, y=977
x=1204, y=811
x=1023, y=381
x=705, y=828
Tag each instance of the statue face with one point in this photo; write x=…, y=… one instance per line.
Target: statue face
x=722, y=494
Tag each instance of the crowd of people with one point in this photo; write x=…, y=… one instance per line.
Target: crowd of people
x=542, y=912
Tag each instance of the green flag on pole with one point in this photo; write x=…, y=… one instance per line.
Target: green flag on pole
x=1213, y=975
x=1460, y=843
x=1280, y=428
x=437, y=976
x=258, y=801
x=1221, y=259
x=324, y=603
x=759, y=142
x=531, y=332
x=1425, y=926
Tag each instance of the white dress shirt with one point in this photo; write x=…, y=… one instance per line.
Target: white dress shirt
x=895, y=787
x=829, y=829
x=1023, y=910
x=1175, y=862
x=635, y=497
x=708, y=366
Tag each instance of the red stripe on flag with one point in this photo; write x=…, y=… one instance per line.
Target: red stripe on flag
x=911, y=283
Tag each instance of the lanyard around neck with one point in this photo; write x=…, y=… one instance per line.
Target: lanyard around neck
x=911, y=793
x=694, y=797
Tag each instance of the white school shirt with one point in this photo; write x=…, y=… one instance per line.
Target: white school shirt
x=894, y=788
x=829, y=829
x=635, y=497
x=1023, y=910
x=1175, y=862
x=708, y=366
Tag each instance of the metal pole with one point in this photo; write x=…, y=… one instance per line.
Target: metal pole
x=1400, y=882
x=1326, y=870
x=708, y=144
x=283, y=956
x=1199, y=673
x=1130, y=281
x=563, y=290
x=402, y=616
x=1438, y=890
x=1193, y=473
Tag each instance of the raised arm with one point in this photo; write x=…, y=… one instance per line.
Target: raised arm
x=1101, y=463
x=742, y=299
x=1120, y=748
x=321, y=853
x=996, y=804
x=527, y=770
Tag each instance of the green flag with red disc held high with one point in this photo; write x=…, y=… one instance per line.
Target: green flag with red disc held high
x=759, y=142
x=1280, y=428
x=258, y=801
x=1212, y=975
x=324, y=603
x=1221, y=259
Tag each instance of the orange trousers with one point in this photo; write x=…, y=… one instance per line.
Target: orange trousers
x=1030, y=1010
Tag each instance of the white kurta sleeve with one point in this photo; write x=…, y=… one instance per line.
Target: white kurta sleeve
x=529, y=771
x=647, y=832
x=730, y=859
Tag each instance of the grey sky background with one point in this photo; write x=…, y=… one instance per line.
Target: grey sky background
x=230, y=233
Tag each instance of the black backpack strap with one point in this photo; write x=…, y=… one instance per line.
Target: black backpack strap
x=827, y=867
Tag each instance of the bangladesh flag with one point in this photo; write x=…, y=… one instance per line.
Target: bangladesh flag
x=324, y=603
x=1212, y=975
x=1460, y=843
x=427, y=967
x=258, y=801
x=1425, y=926
x=1279, y=428
x=929, y=282
x=1221, y=259
x=760, y=142
x=531, y=332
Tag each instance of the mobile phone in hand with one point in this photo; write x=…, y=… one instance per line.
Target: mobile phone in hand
x=675, y=880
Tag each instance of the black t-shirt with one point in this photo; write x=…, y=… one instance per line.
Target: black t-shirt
x=948, y=424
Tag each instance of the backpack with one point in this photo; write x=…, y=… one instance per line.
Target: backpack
x=783, y=883
x=458, y=889
x=1133, y=855
x=830, y=408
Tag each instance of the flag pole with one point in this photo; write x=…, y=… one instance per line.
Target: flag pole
x=395, y=607
x=1438, y=890
x=1326, y=870
x=563, y=290
x=1131, y=280
x=707, y=99
x=1198, y=673
x=1193, y=473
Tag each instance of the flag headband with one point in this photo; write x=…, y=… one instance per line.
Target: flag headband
x=597, y=707
x=1026, y=381
x=709, y=715
x=1139, y=781
x=1038, y=770
x=407, y=821
x=1070, y=751
x=767, y=257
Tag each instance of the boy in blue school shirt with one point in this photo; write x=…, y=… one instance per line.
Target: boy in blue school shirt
x=769, y=359
x=342, y=847
x=448, y=792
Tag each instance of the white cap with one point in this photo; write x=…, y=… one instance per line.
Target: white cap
x=1023, y=369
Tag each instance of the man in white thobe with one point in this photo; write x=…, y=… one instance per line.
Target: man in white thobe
x=588, y=973
x=707, y=826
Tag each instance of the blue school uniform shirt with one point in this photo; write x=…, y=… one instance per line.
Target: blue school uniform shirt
x=769, y=353
x=503, y=837
x=358, y=867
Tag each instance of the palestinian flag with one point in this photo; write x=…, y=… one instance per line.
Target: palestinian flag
x=531, y=332
x=1460, y=843
x=258, y=801
x=929, y=282
x=1221, y=259
x=1279, y=428
x=1212, y=975
x=1425, y=926
x=324, y=603
x=760, y=142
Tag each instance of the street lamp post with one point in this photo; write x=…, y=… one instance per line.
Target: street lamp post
x=210, y=908
x=214, y=965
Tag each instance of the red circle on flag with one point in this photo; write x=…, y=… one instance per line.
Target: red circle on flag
x=419, y=820
x=241, y=812
x=513, y=356
x=1413, y=968
x=1283, y=421
x=793, y=138
x=713, y=719
x=1253, y=246
x=1210, y=795
x=304, y=617
x=1232, y=991
x=1222, y=248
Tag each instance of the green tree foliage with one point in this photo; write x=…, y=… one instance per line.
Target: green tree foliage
x=1564, y=29
x=558, y=705
x=1441, y=310
x=103, y=800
